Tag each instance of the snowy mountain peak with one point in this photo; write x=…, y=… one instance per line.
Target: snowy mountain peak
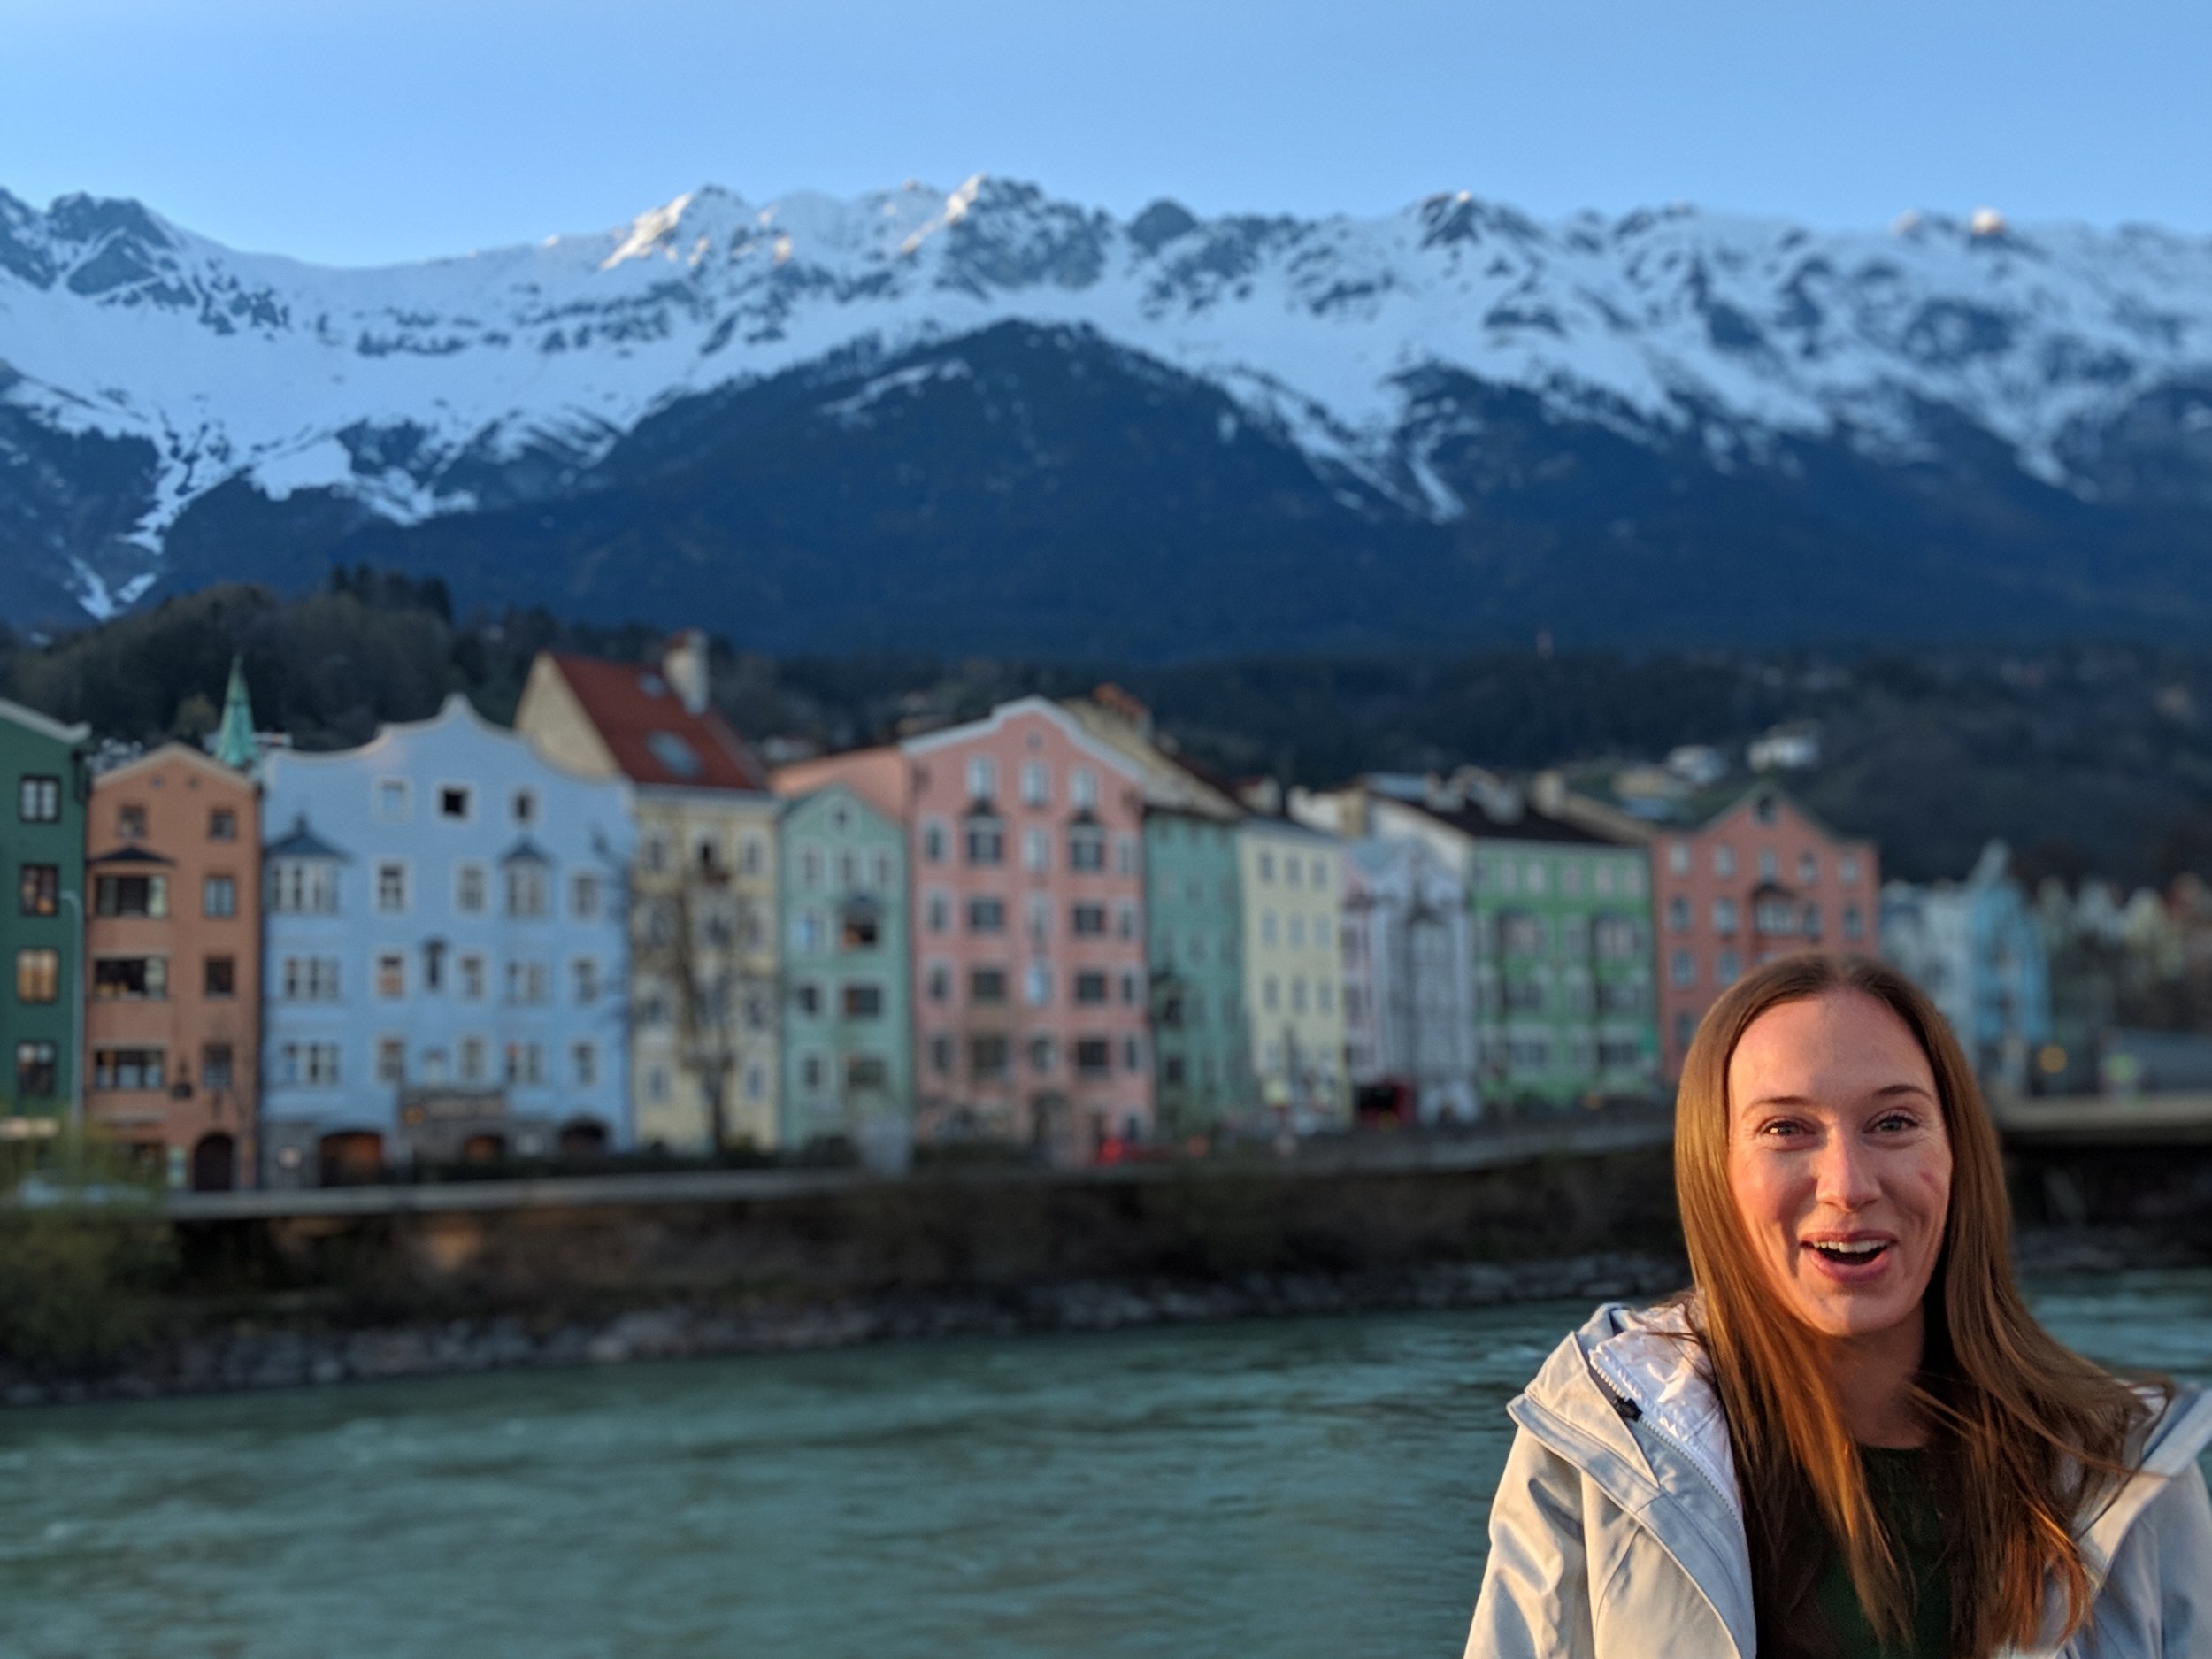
x=404, y=389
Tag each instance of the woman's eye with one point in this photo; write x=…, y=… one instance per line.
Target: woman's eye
x=1894, y=1121
x=1782, y=1127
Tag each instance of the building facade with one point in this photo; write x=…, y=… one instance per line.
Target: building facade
x=1411, y=1040
x=172, y=1020
x=1291, y=879
x=446, y=952
x=1030, y=981
x=847, y=1010
x=41, y=917
x=1975, y=948
x=1757, y=879
x=705, y=948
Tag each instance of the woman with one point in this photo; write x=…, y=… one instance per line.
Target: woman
x=1851, y=1438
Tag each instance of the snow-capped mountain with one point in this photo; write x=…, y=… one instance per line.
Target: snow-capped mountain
x=1420, y=373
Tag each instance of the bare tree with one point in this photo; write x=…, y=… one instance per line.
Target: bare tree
x=698, y=943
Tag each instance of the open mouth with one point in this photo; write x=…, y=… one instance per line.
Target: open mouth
x=1853, y=1253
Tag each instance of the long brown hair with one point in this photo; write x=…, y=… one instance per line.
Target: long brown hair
x=2024, y=1432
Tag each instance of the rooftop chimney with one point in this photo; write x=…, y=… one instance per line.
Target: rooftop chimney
x=684, y=666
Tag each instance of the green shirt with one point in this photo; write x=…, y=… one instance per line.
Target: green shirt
x=1903, y=1490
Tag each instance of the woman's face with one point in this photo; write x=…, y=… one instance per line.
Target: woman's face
x=1838, y=1160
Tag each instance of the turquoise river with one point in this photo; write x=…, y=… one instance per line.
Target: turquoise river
x=1293, y=1490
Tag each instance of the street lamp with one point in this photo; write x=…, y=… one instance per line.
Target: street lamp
x=76, y=1023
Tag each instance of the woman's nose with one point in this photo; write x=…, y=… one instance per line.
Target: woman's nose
x=1847, y=1177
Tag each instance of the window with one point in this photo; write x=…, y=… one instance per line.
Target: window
x=1773, y=915
x=391, y=1059
x=1124, y=921
x=583, y=897
x=863, y=1000
x=218, y=976
x=653, y=853
x=937, y=910
x=1297, y=930
x=1847, y=869
x=1129, y=989
x=1808, y=869
x=1294, y=871
x=1685, y=1030
x=1523, y=997
x=933, y=841
x=1678, y=858
x=1678, y=914
x=811, y=1073
x=303, y=887
x=472, y=977
x=1268, y=927
x=1619, y=939
x=391, y=885
x=1037, y=985
x=1811, y=923
x=1083, y=789
x=584, y=974
x=468, y=889
x=1723, y=915
x=526, y=890
x=1683, y=968
x=130, y=895
x=38, y=890
x=1533, y=877
x=937, y=983
x=524, y=806
x=1125, y=854
x=860, y=927
x=311, y=979
x=130, y=823
x=583, y=1065
x=941, y=1056
x=988, y=1058
x=391, y=799
x=1267, y=866
x=1728, y=969
x=434, y=965
x=656, y=1084
x=1087, y=921
x=1724, y=860
x=1271, y=994
x=806, y=931
x=982, y=777
x=222, y=824
x=133, y=979
x=987, y=985
x=1853, y=927
x=1036, y=852
x=1090, y=986
x=986, y=841
x=806, y=998
x=880, y=871
x=1521, y=934
x=526, y=983
x=1036, y=783
x=391, y=975
x=1770, y=865
x=987, y=915
x=525, y=1063
x=453, y=801
x=126, y=1068
x=219, y=896
x=38, y=976
x=810, y=866
x=1042, y=1056
x=38, y=800
x=1094, y=1056
x=1087, y=847
x=34, y=1070
x=475, y=1060
x=866, y=1073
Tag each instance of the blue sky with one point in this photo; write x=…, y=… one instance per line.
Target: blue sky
x=354, y=134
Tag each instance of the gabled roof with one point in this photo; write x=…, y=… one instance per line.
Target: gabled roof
x=1472, y=821
x=302, y=842
x=131, y=856
x=168, y=752
x=45, y=725
x=654, y=738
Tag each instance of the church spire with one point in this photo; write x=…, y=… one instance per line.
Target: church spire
x=234, y=739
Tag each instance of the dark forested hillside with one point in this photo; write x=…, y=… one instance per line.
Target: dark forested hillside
x=2084, y=758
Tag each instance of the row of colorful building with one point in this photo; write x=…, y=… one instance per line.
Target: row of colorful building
x=613, y=927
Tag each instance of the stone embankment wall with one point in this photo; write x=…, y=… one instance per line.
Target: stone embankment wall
x=453, y=1281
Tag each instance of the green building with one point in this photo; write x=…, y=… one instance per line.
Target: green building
x=848, y=1009
x=1566, y=1008
x=1194, y=923
x=42, y=926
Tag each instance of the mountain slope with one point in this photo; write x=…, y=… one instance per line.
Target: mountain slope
x=966, y=417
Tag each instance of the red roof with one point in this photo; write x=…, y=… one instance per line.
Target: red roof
x=654, y=738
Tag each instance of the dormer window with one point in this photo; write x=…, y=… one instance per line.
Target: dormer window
x=453, y=801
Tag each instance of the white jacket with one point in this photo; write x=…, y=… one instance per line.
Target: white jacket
x=1617, y=1531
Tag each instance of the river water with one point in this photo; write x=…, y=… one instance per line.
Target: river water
x=1313, y=1487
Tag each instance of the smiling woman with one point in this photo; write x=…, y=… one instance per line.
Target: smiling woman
x=1852, y=1437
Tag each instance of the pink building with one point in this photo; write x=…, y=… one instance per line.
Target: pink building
x=1030, y=988
x=1760, y=879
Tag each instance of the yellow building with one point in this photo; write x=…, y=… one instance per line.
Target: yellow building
x=1293, y=883
x=706, y=958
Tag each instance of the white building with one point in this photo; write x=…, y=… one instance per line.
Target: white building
x=1409, y=984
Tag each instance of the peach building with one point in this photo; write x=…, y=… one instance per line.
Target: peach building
x=1761, y=877
x=172, y=944
x=1029, y=967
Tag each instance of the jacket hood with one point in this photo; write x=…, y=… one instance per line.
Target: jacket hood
x=1630, y=1400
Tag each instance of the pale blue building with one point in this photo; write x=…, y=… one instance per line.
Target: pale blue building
x=445, y=969
x=1974, y=947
